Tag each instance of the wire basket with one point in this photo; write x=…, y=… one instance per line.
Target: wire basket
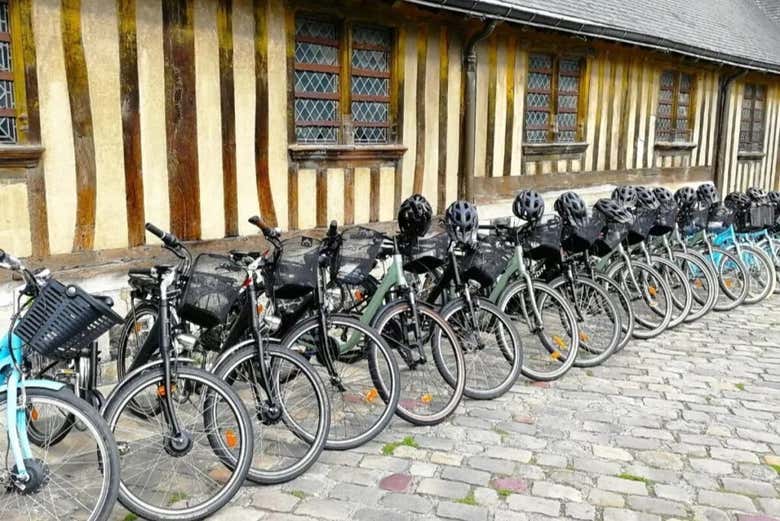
x=295, y=272
x=486, y=260
x=579, y=238
x=612, y=235
x=64, y=319
x=426, y=253
x=755, y=217
x=212, y=289
x=543, y=240
x=360, y=247
x=666, y=218
x=644, y=220
x=720, y=217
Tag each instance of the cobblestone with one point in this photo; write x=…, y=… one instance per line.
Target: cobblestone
x=665, y=414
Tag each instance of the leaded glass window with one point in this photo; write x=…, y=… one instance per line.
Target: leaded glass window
x=552, y=99
x=673, y=115
x=7, y=101
x=322, y=94
x=751, y=133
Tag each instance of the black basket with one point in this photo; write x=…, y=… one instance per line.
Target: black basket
x=426, y=253
x=644, y=220
x=694, y=219
x=579, y=238
x=357, y=257
x=64, y=319
x=486, y=260
x=543, y=240
x=612, y=235
x=666, y=218
x=212, y=289
x=295, y=273
x=720, y=217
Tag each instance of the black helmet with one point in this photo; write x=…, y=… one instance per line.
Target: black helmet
x=645, y=198
x=414, y=216
x=737, y=201
x=685, y=197
x=756, y=194
x=664, y=196
x=528, y=205
x=708, y=194
x=613, y=212
x=571, y=208
x=624, y=195
x=774, y=198
x=462, y=221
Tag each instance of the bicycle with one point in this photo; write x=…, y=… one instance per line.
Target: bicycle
x=43, y=478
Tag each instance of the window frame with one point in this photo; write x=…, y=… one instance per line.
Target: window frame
x=747, y=147
x=675, y=106
x=345, y=124
x=553, y=110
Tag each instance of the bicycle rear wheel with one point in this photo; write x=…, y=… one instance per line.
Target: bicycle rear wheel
x=187, y=478
x=430, y=360
x=491, y=346
x=76, y=479
x=291, y=422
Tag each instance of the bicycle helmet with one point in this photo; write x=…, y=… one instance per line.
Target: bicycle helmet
x=737, y=201
x=613, y=212
x=645, y=198
x=685, y=197
x=708, y=194
x=571, y=208
x=528, y=206
x=756, y=194
x=774, y=198
x=414, y=216
x=624, y=195
x=664, y=196
x=462, y=221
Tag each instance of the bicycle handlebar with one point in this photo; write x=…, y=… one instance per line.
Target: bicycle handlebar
x=10, y=260
x=168, y=239
x=270, y=233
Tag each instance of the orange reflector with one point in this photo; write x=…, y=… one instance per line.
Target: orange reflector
x=426, y=398
x=697, y=283
x=161, y=390
x=584, y=336
x=138, y=327
x=34, y=414
x=727, y=282
x=560, y=341
x=555, y=355
x=231, y=439
x=359, y=296
x=371, y=395
x=260, y=309
x=652, y=290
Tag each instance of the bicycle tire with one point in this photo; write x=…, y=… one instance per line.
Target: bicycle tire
x=644, y=329
x=700, y=306
x=565, y=312
x=319, y=399
x=721, y=260
x=108, y=459
x=382, y=324
x=623, y=305
x=681, y=304
x=511, y=350
x=761, y=270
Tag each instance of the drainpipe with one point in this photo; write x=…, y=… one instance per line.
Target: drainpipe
x=469, y=124
x=721, y=125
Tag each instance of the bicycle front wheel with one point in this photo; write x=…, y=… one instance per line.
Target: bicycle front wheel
x=701, y=280
x=186, y=476
x=733, y=279
x=761, y=270
x=650, y=297
x=431, y=362
x=293, y=401
x=491, y=346
x=360, y=374
x=682, y=296
x=76, y=479
x=623, y=305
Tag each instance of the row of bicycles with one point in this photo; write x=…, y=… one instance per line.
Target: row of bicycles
x=246, y=365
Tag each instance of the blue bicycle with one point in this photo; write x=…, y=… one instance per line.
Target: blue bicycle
x=761, y=268
x=61, y=461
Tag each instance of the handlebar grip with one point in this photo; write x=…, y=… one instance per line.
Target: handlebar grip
x=271, y=233
x=168, y=239
x=9, y=259
x=333, y=228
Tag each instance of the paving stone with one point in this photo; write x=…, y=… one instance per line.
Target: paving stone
x=466, y=475
x=396, y=482
x=674, y=492
x=709, y=514
x=512, y=484
x=235, y=513
x=605, y=498
x=523, y=503
x=508, y=453
x=450, y=510
x=620, y=514
x=492, y=465
x=770, y=505
x=657, y=506
x=325, y=508
x=371, y=514
x=726, y=500
x=556, y=491
x=749, y=487
x=420, y=469
x=612, y=453
x=446, y=458
x=443, y=488
x=580, y=511
x=661, y=459
x=363, y=495
x=733, y=455
x=273, y=499
x=407, y=503
x=711, y=466
x=624, y=486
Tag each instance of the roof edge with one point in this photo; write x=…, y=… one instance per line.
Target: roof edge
x=578, y=27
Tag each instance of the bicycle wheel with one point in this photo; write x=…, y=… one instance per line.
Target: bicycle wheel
x=761, y=270
x=623, y=305
x=543, y=342
x=55, y=428
x=77, y=479
x=491, y=347
x=297, y=397
x=598, y=319
x=135, y=331
x=650, y=297
x=430, y=389
x=189, y=478
x=733, y=279
x=362, y=383
x=772, y=248
x=701, y=279
x=682, y=296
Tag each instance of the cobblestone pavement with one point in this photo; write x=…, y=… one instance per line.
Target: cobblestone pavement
x=682, y=427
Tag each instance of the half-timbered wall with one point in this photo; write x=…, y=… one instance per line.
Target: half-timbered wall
x=179, y=112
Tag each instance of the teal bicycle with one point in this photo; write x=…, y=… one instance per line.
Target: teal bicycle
x=52, y=473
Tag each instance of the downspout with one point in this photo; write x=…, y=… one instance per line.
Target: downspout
x=469, y=124
x=721, y=125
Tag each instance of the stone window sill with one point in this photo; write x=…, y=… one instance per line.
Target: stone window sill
x=346, y=153
x=750, y=156
x=553, y=149
x=20, y=156
x=675, y=145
